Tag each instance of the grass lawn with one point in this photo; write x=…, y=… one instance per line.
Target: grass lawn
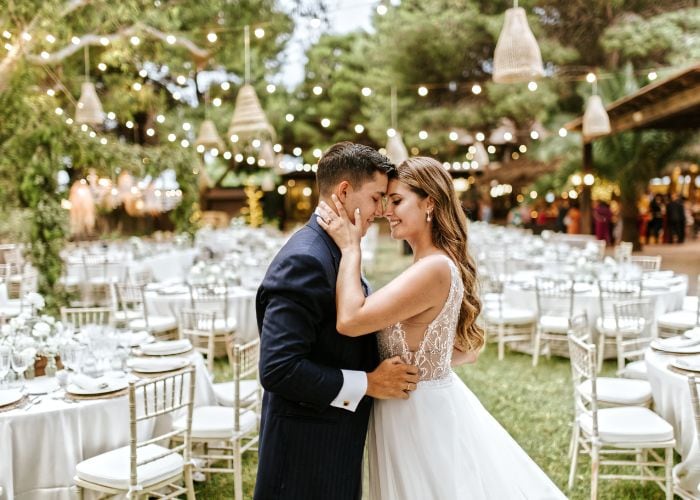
x=533, y=404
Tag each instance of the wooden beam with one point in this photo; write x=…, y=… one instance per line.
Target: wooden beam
x=661, y=109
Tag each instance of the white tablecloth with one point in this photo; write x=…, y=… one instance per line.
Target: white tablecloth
x=672, y=402
x=40, y=447
x=241, y=306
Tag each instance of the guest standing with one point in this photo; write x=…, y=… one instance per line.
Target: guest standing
x=602, y=215
x=675, y=215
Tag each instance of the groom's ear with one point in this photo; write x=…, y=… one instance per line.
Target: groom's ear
x=342, y=189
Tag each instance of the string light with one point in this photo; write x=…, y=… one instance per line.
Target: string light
x=652, y=76
x=75, y=40
x=51, y=92
x=225, y=85
x=135, y=41
x=259, y=33
x=390, y=132
x=532, y=86
x=422, y=91
x=480, y=136
x=317, y=90
x=111, y=115
x=590, y=78
x=200, y=148
x=270, y=88
x=184, y=143
x=317, y=153
x=186, y=126
x=476, y=89
x=150, y=132
x=453, y=136
x=216, y=102
x=44, y=55
x=59, y=111
x=588, y=179
x=277, y=148
x=171, y=40
x=26, y=37
x=212, y=37
x=143, y=73
x=172, y=137
x=491, y=149
x=160, y=119
x=563, y=132
x=256, y=143
x=522, y=148
x=289, y=117
x=102, y=66
x=534, y=135
x=359, y=128
x=382, y=9
x=129, y=124
x=507, y=136
x=234, y=138
x=227, y=155
x=423, y=135
x=7, y=34
x=104, y=41
x=315, y=22
x=181, y=80
x=50, y=38
x=103, y=141
x=238, y=158
x=325, y=123
x=137, y=86
x=366, y=91
x=297, y=151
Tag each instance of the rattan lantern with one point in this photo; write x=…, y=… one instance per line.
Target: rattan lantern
x=209, y=136
x=596, y=122
x=481, y=156
x=249, y=120
x=517, y=57
x=89, y=109
x=504, y=133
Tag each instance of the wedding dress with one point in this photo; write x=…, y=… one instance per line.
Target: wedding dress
x=441, y=443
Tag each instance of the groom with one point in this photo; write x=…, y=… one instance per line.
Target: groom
x=318, y=383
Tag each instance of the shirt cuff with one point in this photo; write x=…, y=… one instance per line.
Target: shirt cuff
x=353, y=390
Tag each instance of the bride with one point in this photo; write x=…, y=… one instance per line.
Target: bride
x=441, y=443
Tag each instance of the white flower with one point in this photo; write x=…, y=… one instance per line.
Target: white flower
x=215, y=269
x=35, y=300
x=41, y=329
x=6, y=330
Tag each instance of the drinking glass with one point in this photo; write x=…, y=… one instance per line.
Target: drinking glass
x=72, y=356
x=5, y=362
x=20, y=363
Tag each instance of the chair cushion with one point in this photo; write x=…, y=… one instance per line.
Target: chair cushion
x=554, y=324
x=221, y=325
x=608, y=326
x=224, y=392
x=677, y=320
x=156, y=324
x=216, y=422
x=511, y=315
x=628, y=424
x=619, y=391
x=636, y=370
x=112, y=468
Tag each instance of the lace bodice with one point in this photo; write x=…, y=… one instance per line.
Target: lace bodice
x=434, y=353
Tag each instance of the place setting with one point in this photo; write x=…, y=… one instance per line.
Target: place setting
x=677, y=345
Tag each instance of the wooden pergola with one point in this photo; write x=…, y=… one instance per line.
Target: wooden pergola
x=672, y=103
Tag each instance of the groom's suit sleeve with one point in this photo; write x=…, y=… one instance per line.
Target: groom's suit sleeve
x=297, y=296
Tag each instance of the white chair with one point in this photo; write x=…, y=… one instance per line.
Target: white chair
x=623, y=251
x=224, y=434
x=677, y=322
x=132, y=301
x=250, y=390
x=695, y=402
x=633, y=321
x=214, y=298
x=610, y=292
x=200, y=328
x=146, y=467
x=81, y=316
x=555, y=305
x=628, y=435
x=648, y=263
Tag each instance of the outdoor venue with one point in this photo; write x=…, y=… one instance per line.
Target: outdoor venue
x=156, y=155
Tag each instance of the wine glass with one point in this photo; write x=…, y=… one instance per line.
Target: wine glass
x=5, y=362
x=72, y=356
x=20, y=362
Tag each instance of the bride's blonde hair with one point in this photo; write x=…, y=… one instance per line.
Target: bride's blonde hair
x=427, y=178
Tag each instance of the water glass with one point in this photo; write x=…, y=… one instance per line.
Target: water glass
x=20, y=363
x=5, y=362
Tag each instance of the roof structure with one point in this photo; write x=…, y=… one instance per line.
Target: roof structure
x=671, y=103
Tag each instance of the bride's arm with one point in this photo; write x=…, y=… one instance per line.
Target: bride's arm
x=420, y=287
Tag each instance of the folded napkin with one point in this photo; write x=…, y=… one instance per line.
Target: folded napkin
x=167, y=346
x=157, y=364
x=693, y=333
x=678, y=341
x=88, y=383
x=691, y=363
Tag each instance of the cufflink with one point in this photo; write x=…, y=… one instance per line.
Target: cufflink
x=346, y=403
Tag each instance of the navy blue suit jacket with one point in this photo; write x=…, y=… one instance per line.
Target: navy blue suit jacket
x=309, y=450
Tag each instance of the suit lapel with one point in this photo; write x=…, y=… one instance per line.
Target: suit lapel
x=335, y=251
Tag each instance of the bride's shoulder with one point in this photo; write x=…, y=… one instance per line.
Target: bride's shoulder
x=435, y=267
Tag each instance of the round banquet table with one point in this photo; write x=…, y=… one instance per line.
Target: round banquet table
x=672, y=402
x=41, y=446
x=241, y=305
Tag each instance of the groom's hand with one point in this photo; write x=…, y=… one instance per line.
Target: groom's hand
x=392, y=379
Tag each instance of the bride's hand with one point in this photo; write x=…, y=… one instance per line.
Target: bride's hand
x=345, y=234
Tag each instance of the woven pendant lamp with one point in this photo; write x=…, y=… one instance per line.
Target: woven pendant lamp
x=267, y=155
x=395, y=149
x=208, y=136
x=249, y=120
x=596, y=122
x=481, y=156
x=499, y=135
x=89, y=108
x=517, y=57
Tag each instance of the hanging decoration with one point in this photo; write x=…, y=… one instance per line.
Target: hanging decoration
x=480, y=155
x=504, y=133
x=82, y=209
x=89, y=108
x=395, y=148
x=209, y=136
x=596, y=121
x=517, y=57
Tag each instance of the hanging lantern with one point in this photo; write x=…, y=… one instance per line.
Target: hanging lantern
x=82, y=211
x=209, y=136
x=504, y=133
x=89, y=108
x=595, y=120
x=249, y=120
x=481, y=156
x=396, y=150
x=267, y=154
x=464, y=138
x=517, y=56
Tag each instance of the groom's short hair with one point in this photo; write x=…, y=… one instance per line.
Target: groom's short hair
x=347, y=161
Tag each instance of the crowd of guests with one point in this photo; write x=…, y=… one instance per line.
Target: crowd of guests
x=662, y=218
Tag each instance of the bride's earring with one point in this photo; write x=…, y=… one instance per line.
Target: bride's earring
x=428, y=218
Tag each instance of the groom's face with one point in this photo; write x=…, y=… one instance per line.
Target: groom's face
x=368, y=198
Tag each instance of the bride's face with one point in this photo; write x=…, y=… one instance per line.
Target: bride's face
x=405, y=211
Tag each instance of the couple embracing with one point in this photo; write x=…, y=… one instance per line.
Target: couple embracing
x=341, y=366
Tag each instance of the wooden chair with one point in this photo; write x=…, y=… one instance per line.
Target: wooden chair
x=200, y=328
x=146, y=467
x=132, y=304
x=633, y=320
x=81, y=316
x=628, y=435
x=224, y=434
x=677, y=322
x=648, y=263
x=214, y=298
x=610, y=292
x=249, y=391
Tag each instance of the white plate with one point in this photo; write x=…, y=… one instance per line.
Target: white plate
x=675, y=349
x=690, y=363
x=142, y=337
x=112, y=386
x=155, y=365
x=9, y=396
x=41, y=385
x=693, y=333
x=164, y=349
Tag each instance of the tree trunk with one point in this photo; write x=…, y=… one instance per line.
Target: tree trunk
x=629, y=194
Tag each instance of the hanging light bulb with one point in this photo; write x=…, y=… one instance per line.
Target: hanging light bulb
x=517, y=57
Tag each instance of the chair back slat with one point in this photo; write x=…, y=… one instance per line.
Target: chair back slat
x=555, y=296
x=583, y=369
x=81, y=316
x=648, y=263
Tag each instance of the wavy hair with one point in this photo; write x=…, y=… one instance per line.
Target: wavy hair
x=428, y=179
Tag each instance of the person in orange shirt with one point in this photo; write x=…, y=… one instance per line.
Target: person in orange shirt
x=573, y=218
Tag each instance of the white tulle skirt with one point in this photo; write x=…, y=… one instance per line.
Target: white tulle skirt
x=442, y=444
